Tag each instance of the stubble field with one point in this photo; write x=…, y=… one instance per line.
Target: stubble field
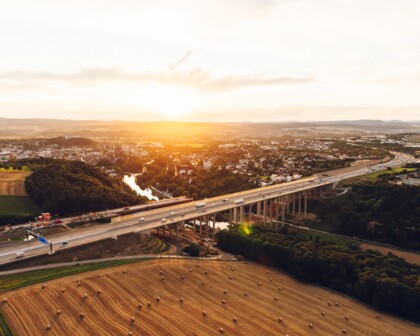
x=256, y=296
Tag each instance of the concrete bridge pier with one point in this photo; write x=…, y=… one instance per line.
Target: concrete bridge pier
x=300, y=202
x=265, y=212
x=258, y=208
x=283, y=210
x=277, y=213
x=293, y=204
x=235, y=215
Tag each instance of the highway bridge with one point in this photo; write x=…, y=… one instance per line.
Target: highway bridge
x=289, y=197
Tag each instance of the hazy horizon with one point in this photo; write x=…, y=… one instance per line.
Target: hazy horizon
x=219, y=60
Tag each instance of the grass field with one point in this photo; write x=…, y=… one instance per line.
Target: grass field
x=340, y=241
x=396, y=170
x=13, y=281
x=256, y=298
x=18, y=205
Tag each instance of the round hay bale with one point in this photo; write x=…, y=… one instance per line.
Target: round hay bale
x=329, y=304
x=48, y=327
x=259, y=284
x=203, y=283
x=85, y=296
x=221, y=330
x=182, y=277
x=140, y=306
x=79, y=283
x=205, y=272
x=378, y=316
x=98, y=292
x=337, y=304
x=58, y=312
x=275, y=298
x=323, y=313
x=279, y=288
x=245, y=293
x=130, y=333
x=346, y=317
x=280, y=320
x=162, y=278
x=225, y=291
x=198, y=265
x=204, y=313
x=234, y=319
x=269, y=279
x=132, y=319
x=223, y=301
x=82, y=315
x=5, y=300
x=344, y=331
x=124, y=271
x=230, y=277
x=43, y=286
x=161, y=272
x=157, y=298
x=191, y=270
x=311, y=325
x=148, y=304
x=181, y=299
x=232, y=269
x=63, y=290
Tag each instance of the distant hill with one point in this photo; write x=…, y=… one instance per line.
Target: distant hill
x=151, y=131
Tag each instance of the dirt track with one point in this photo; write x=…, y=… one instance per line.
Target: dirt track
x=31, y=309
x=13, y=183
x=410, y=257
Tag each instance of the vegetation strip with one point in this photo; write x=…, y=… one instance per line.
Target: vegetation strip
x=14, y=281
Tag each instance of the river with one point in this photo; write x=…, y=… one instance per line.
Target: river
x=130, y=180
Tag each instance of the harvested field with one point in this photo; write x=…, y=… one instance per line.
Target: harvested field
x=190, y=306
x=13, y=183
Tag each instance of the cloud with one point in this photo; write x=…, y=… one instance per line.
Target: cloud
x=197, y=78
x=181, y=60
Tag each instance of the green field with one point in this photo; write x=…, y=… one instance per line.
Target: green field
x=340, y=241
x=13, y=281
x=18, y=205
x=4, y=328
x=397, y=170
x=11, y=169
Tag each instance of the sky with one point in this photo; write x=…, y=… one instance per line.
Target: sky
x=210, y=60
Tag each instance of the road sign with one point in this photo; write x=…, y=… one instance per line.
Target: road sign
x=43, y=240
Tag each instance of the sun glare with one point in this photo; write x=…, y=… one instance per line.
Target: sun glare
x=171, y=103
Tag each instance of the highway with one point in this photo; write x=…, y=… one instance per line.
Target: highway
x=183, y=212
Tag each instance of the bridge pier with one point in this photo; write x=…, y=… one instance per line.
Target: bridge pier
x=214, y=224
x=277, y=213
x=293, y=204
x=258, y=208
x=235, y=215
x=283, y=210
x=300, y=201
x=177, y=231
x=265, y=212
x=241, y=214
x=305, y=205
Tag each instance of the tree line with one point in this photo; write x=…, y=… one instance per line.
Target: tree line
x=376, y=211
x=386, y=282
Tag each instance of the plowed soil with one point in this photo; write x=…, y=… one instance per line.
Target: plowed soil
x=13, y=183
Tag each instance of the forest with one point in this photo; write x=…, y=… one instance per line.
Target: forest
x=73, y=187
x=381, y=212
x=201, y=184
x=386, y=282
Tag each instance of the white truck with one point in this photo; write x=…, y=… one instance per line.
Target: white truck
x=20, y=255
x=200, y=205
x=239, y=201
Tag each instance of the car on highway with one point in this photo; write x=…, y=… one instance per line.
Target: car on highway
x=225, y=200
x=239, y=201
x=163, y=220
x=142, y=219
x=182, y=215
x=65, y=242
x=172, y=212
